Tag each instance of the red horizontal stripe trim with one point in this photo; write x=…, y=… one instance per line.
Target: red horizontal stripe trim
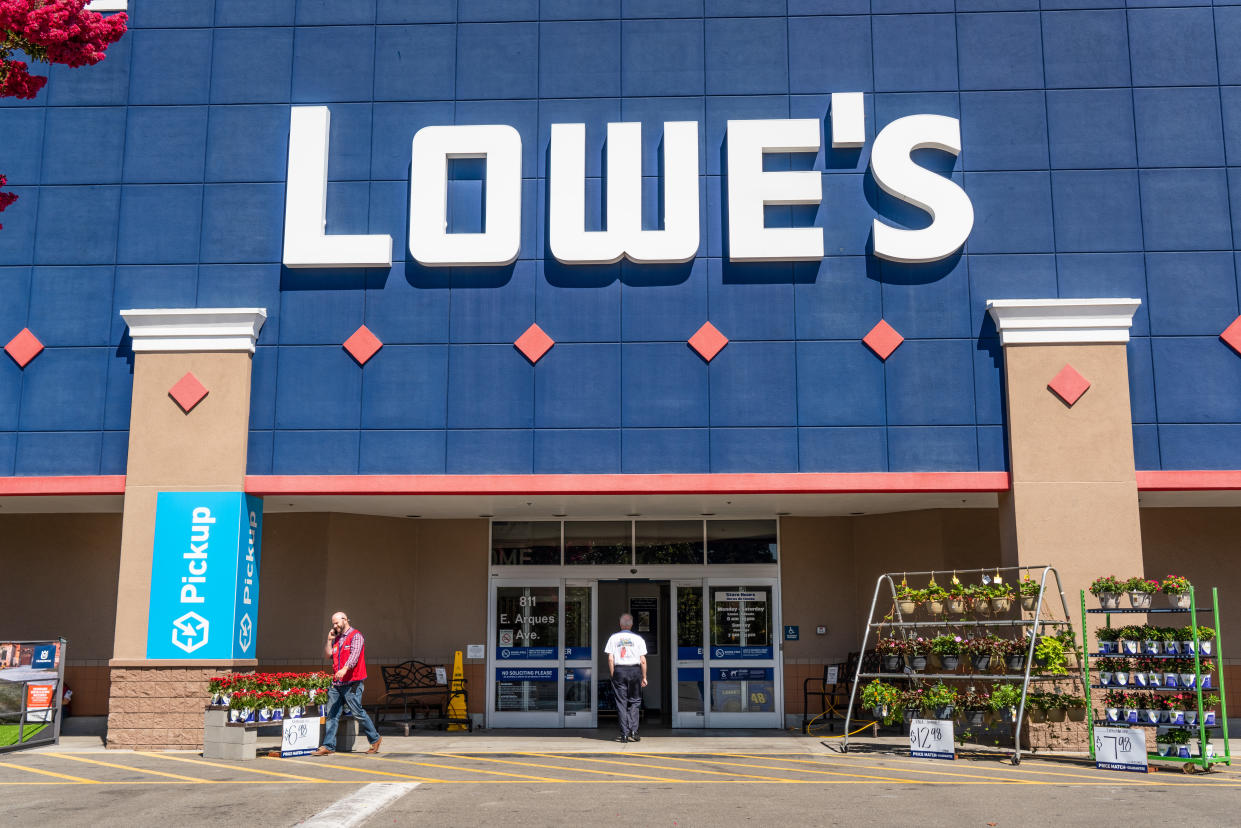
x=630, y=484
x=1189, y=481
x=100, y=484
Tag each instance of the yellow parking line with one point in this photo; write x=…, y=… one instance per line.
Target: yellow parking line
x=357, y=770
x=673, y=768
x=230, y=767
x=561, y=768
x=122, y=767
x=857, y=775
x=868, y=767
x=1021, y=769
x=471, y=770
x=77, y=779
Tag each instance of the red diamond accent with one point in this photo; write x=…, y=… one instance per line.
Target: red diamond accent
x=24, y=347
x=1232, y=335
x=534, y=343
x=708, y=341
x=1069, y=385
x=362, y=345
x=883, y=339
x=188, y=392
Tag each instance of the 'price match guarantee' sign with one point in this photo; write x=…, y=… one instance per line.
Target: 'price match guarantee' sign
x=931, y=739
x=300, y=737
x=1121, y=749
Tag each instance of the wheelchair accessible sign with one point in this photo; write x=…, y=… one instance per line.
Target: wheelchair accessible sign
x=205, y=576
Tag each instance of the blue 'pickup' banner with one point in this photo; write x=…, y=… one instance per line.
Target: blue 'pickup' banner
x=205, y=576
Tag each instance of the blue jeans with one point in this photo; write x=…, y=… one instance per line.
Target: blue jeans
x=341, y=695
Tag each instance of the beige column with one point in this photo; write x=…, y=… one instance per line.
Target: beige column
x=176, y=443
x=1073, y=502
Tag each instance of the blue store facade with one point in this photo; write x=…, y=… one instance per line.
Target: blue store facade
x=1097, y=144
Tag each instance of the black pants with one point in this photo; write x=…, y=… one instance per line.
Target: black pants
x=627, y=690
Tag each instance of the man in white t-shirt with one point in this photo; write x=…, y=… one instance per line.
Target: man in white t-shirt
x=627, y=663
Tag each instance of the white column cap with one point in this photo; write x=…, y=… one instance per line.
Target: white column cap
x=1062, y=321
x=194, y=329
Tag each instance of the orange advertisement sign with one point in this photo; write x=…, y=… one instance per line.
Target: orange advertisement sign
x=39, y=696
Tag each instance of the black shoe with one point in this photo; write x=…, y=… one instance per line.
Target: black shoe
x=621, y=739
x=633, y=737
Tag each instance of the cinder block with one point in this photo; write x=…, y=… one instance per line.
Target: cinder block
x=234, y=752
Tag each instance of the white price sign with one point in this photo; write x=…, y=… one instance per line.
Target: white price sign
x=931, y=739
x=1120, y=748
x=300, y=737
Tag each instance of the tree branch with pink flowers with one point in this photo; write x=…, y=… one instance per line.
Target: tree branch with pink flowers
x=49, y=31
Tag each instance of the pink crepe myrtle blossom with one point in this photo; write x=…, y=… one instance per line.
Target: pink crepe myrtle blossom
x=49, y=31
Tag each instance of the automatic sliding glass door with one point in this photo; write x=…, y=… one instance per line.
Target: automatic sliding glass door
x=542, y=653
x=688, y=684
x=743, y=682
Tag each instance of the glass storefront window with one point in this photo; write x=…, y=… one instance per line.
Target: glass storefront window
x=577, y=689
x=525, y=543
x=527, y=623
x=526, y=689
x=741, y=541
x=689, y=689
x=741, y=622
x=597, y=542
x=743, y=690
x=669, y=541
x=577, y=641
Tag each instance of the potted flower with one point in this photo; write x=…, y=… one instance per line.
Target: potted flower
x=1107, y=590
x=917, y=649
x=980, y=650
x=1154, y=672
x=1110, y=668
x=1152, y=641
x=296, y=700
x=1170, y=639
x=956, y=597
x=942, y=700
x=882, y=698
x=1029, y=590
x=1057, y=707
x=1206, y=640
x=1004, y=700
x=270, y=706
x=1206, y=668
x=1209, y=703
x=1178, y=737
x=1001, y=596
x=1176, y=587
x=1185, y=672
x=1076, y=707
x=908, y=598
x=914, y=702
x=1113, y=703
x=1015, y=651
x=1164, y=744
x=979, y=598
x=1107, y=639
x=975, y=707
x=219, y=688
x=1037, y=705
x=241, y=706
x=935, y=596
x=1140, y=591
x=1129, y=640
x=1050, y=653
x=890, y=650
x=1141, y=672
x=948, y=649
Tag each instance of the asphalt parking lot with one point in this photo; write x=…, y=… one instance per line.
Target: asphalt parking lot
x=547, y=788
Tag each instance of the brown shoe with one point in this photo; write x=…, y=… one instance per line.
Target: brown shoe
x=374, y=748
x=323, y=751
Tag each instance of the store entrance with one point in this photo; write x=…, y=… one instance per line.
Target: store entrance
x=647, y=601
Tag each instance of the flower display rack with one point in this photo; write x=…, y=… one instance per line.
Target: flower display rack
x=1030, y=613
x=1204, y=651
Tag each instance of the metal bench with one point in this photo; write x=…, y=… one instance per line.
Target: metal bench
x=834, y=696
x=412, y=688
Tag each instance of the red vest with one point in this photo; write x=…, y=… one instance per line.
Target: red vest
x=342, y=651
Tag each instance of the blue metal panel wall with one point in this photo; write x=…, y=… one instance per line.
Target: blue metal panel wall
x=1098, y=137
